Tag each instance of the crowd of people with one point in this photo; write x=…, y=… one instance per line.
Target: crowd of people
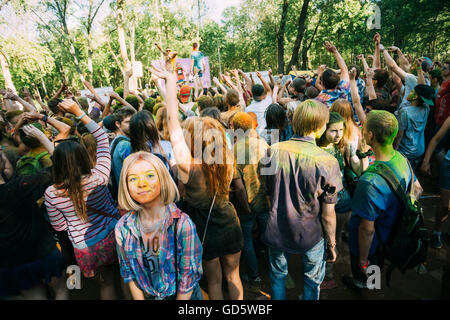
x=170, y=188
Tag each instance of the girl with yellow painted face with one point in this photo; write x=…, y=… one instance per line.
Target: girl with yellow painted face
x=158, y=246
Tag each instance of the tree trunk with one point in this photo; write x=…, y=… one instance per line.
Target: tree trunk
x=306, y=46
x=280, y=36
x=6, y=73
x=123, y=48
x=90, y=67
x=300, y=33
x=133, y=79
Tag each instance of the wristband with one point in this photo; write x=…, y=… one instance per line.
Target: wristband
x=364, y=267
x=44, y=118
x=81, y=116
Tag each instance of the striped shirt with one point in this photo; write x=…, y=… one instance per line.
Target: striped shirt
x=62, y=213
x=189, y=249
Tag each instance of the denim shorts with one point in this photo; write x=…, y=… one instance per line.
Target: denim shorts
x=344, y=202
x=444, y=177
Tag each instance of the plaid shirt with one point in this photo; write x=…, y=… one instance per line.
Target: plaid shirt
x=328, y=97
x=189, y=255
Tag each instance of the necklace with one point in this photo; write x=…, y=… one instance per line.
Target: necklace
x=155, y=242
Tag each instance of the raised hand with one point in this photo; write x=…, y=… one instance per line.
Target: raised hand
x=330, y=47
x=11, y=95
x=377, y=38
x=321, y=68
x=32, y=131
x=70, y=106
x=26, y=92
x=352, y=74
x=370, y=57
x=163, y=73
x=31, y=116
x=393, y=49
x=258, y=74
x=360, y=57
x=370, y=73
x=91, y=97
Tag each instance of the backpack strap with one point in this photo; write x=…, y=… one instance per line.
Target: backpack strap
x=41, y=155
x=389, y=176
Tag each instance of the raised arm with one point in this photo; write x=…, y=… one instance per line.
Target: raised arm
x=37, y=96
x=248, y=81
x=355, y=97
x=239, y=89
x=103, y=165
x=420, y=72
x=181, y=150
x=340, y=61
x=320, y=70
x=369, y=85
x=390, y=62
x=377, y=58
x=364, y=62
x=402, y=60
x=117, y=97
x=219, y=85
x=32, y=131
x=264, y=83
x=63, y=129
x=141, y=102
x=95, y=96
x=14, y=97
x=60, y=90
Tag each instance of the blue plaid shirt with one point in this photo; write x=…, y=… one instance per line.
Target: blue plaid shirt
x=189, y=255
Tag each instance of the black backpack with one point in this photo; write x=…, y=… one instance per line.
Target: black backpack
x=407, y=244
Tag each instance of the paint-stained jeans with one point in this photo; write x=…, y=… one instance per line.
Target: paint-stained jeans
x=313, y=262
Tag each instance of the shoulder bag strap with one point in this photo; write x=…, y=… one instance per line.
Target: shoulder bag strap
x=176, y=253
x=209, y=215
x=102, y=213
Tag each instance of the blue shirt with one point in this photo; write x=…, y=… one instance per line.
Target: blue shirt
x=121, y=151
x=412, y=120
x=198, y=57
x=375, y=201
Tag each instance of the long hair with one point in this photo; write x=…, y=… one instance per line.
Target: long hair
x=143, y=131
x=212, y=137
x=89, y=142
x=161, y=123
x=344, y=108
x=334, y=118
x=70, y=162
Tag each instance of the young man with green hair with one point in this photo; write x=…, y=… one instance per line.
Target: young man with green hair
x=374, y=202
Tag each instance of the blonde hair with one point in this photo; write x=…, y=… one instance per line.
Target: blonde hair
x=310, y=116
x=169, y=190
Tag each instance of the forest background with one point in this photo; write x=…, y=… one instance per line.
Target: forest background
x=45, y=41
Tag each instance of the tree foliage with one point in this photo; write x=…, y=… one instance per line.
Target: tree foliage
x=246, y=38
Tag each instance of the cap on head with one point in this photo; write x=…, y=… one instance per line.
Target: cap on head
x=426, y=93
x=185, y=93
